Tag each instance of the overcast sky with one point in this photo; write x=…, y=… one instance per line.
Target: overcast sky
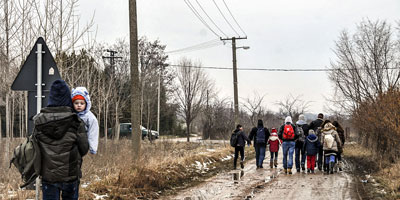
x=281, y=34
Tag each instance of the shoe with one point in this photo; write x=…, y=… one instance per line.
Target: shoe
x=312, y=171
x=298, y=170
x=261, y=166
x=308, y=171
x=340, y=169
x=290, y=171
x=234, y=167
x=271, y=164
x=241, y=164
x=285, y=170
x=303, y=168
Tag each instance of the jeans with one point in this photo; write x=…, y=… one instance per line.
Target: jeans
x=51, y=191
x=237, y=150
x=260, y=153
x=288, y=148
x=299, y=152
x=274, y=156
x=329, y=159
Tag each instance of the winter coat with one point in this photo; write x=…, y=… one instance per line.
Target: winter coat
x=311, y=145
x=253, y=134
x=274, y=142
x=63, y=142
x=315, y=124
x=329, y=129
x=242, y=138
x=92, y=125
x=305, y=127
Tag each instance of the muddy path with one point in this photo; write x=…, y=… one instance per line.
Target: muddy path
x=267, y=183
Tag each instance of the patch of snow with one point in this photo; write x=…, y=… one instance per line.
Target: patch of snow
x=211, y=150
x=100, y=196
x=228, y=157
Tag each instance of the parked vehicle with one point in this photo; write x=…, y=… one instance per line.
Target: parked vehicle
x=125, y=130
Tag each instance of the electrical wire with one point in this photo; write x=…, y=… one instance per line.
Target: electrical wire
x=201, y=7
x=269, y=69
x=234, y=18
x=225, y=18
x=193, y=9
x=204, y=45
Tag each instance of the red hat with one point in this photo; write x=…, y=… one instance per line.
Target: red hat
x=78, y=97
x=273, y=130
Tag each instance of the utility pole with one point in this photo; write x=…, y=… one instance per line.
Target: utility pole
x=135, y=101
x=112, y=58
x=235, y=82
x=158, y=103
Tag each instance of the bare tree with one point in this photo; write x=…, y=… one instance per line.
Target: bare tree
x=367, y=63
x=191, y=91
x=254, y=106
x=292, y=106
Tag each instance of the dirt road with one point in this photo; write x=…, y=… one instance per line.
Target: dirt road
x=267, y=183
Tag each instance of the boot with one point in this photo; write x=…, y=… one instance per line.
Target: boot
x=298, y=170
x=285, y=170
x=276, y=163
x=271, y=164
x=331, y=166
x=290, y=171
x=303, y=168
x=241, y=164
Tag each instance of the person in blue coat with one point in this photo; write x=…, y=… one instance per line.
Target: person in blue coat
x=82, y=104
x=311, y=146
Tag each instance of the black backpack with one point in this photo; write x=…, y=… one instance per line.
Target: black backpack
x=260, y=136
x=302, y=136
x=234, y=139
x=27, y=160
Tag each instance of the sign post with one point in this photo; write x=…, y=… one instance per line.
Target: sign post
x=36, y=76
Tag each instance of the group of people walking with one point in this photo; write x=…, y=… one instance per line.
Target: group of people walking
x=319, y=144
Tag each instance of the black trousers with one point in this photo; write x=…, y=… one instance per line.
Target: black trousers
x=320, y=157
x=237, y=150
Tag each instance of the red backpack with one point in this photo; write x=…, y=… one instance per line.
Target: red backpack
x=288, y=132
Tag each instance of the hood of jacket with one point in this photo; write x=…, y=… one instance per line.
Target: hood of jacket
x=83, y=92
x=329, y=128
x=312, y=138
x=301, y=122
x=273, y=137
x=54, y=122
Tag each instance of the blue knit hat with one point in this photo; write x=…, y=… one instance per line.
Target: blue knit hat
x=60, y=94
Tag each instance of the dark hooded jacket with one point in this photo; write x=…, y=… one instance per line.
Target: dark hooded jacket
x=253, y=132
x=242, y=138
x=312, y=145
x=63, y=142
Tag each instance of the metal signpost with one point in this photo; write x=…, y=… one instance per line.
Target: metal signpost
x=36, y=76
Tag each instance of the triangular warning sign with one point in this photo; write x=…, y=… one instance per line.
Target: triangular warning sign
x=27, y=77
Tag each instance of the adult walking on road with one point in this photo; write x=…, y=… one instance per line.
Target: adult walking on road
x=316, y=126
x=63, y=142
x=288, y=134
x=331, y=143
x=260, y=134
x=340, y=131
x=240, y=144
x=300, y=154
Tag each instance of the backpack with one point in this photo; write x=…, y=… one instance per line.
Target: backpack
x=27, y=160
x=302, y=136
x=329, y=140
x=288, y=132
x=260, y=137
x=234, y=139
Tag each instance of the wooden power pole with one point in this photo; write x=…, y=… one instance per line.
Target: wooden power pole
x=135, y=92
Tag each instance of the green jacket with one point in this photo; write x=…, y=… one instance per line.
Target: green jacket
x=63, y=142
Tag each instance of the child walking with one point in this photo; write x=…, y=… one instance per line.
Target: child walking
x=311, y=147
x=274, y=143
x=82, y=104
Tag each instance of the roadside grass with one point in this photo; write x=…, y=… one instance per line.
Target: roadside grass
x=378, y=178
x=164, y=168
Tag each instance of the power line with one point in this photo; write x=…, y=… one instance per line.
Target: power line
x=199, y=17
x=201, y=7
x=234, y=18
x=270, y=69
x=204, y=45
x=225, y=18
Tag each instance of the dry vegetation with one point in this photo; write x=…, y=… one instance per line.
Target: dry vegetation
x=164, y=168
x=381, y=177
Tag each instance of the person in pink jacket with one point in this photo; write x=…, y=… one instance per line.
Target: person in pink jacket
x=274, y=142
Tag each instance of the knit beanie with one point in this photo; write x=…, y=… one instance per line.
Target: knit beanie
x=78, y=97
x=60, y=94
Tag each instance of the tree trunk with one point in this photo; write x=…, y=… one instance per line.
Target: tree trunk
x=117, y=127
x=188, y=130
x=135, y=102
